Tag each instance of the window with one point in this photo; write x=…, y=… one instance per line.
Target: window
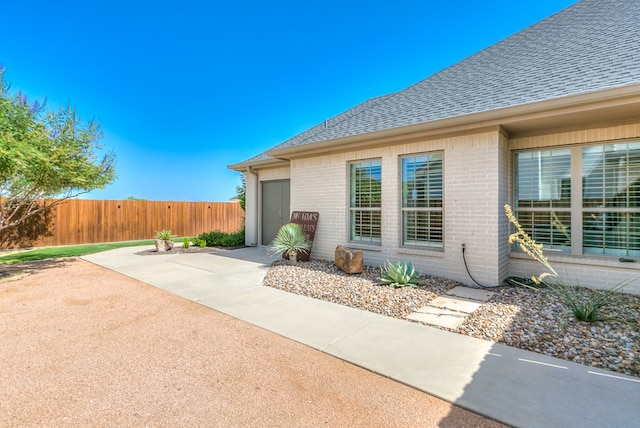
x=599, y=185
x=422, y=200
x=365, y=201
x=611, y=199
x=543, y=201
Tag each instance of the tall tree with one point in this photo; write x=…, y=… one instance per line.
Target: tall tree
x=46, y=157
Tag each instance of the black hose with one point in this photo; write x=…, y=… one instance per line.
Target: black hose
x=467, y=268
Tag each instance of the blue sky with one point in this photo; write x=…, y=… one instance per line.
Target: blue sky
x=183, y=89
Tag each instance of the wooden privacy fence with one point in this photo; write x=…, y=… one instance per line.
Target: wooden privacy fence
x=93, y=221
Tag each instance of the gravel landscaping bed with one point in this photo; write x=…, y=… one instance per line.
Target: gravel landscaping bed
x=516, y=316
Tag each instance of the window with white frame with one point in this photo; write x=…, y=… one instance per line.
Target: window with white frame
x=543, y=196
x=582, y=200
x=365, y=191
x=611, y=199
x=422, y=200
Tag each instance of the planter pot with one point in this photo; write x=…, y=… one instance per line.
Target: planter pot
x=163, y=245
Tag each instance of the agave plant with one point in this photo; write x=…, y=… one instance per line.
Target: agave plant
x=290, y=241
x=400, y=274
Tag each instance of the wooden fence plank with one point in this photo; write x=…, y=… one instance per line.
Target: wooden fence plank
x=94, y=221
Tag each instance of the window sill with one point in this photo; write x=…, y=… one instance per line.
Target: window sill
x=427, y=252
x=364, y=247
x=586, y=259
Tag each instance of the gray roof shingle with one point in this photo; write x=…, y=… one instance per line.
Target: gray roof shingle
x=592, y=45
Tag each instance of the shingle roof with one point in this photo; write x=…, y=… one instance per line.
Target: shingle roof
x=261, y=157
x=592, y=45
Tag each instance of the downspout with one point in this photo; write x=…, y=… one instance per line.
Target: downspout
x=255, y=225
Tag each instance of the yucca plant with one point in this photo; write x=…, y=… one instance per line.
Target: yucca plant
x=165, y=235
x=400, y=274
x=290, y=241
x=163, y=240
x=583, y=305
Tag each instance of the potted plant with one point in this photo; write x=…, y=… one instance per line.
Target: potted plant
x=163, y=240
x=290, y=241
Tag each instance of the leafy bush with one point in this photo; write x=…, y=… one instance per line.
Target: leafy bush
x=197, y=242
x=583, y=304
x=222, y=239
x=185, y=243
x=400, y=274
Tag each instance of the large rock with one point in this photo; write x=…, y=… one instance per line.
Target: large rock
x=349, y=261
x=163, y=245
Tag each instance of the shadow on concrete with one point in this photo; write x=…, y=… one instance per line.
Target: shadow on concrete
x=250, y=254
x=547, y=392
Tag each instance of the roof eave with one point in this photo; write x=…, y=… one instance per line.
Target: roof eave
x=574, y=104
x=265, y=163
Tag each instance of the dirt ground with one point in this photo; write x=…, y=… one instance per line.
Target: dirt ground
x=84, y=346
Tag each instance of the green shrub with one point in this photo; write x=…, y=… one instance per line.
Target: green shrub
x=185, y=243
x=222, y=239
x=400, y=274
x=197, y=242
x=211, y=239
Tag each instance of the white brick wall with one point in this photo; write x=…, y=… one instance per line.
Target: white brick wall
x=588, y=271
x=319, y=184
x=504, y=192
x=618, y=132
x=271, y=174
x=592, y=272
x=477, y=183
x=472, y=166
x=251, y=210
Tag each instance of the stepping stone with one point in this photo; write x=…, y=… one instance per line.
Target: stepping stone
x=456, y=304
x=471, y=293
x=438, y=317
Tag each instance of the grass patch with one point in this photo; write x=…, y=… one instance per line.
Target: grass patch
x=66, y=251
